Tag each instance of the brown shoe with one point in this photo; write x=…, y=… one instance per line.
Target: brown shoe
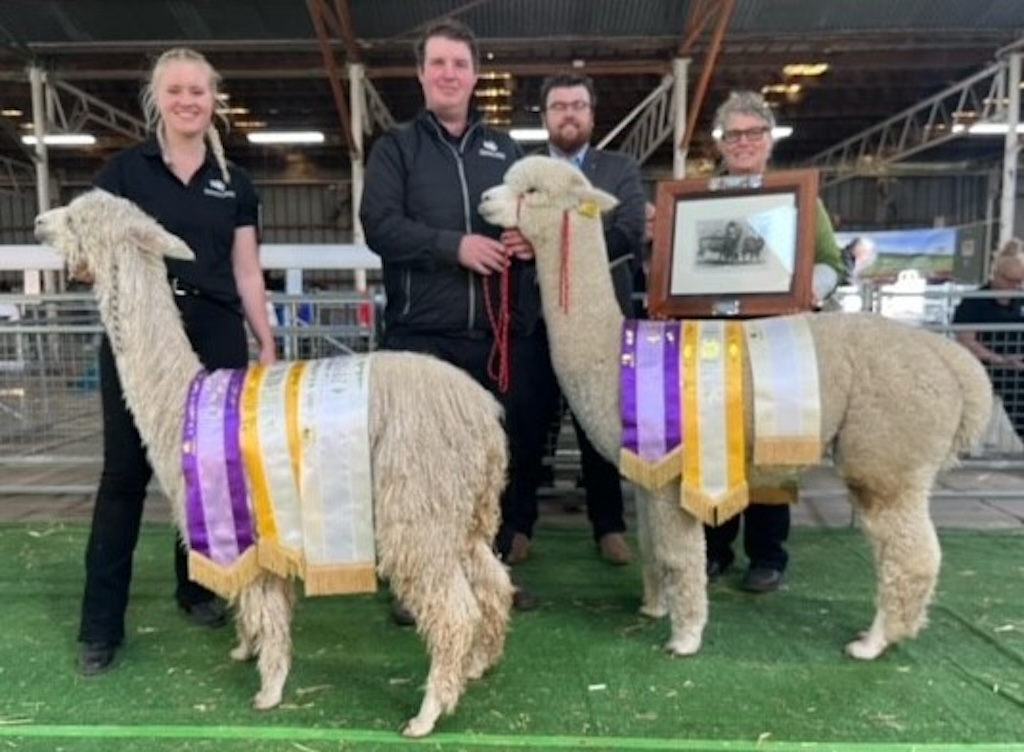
x=520, y=550
x=614, y=549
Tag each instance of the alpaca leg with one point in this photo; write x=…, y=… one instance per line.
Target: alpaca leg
x=653, y=603
x=678, y=539
x=492, y=587
x=907, y=557
x=265, y=616
x=447, y=615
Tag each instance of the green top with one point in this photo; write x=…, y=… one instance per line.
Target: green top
x=826, y=249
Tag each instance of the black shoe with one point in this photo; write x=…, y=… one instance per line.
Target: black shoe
x=716, y=569
x=761, y=580
x=400, y=615
x=523, y=599
x=212, y=613
x=96, y=658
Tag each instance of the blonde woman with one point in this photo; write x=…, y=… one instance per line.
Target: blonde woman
x=181, y=177
x=1001, y=351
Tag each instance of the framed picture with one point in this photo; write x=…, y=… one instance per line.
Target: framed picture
x=734, y=246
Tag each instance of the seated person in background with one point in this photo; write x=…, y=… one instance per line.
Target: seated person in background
x=1002, y=352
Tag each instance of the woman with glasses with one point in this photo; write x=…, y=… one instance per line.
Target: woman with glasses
x=1000, y=349
x=742, y=129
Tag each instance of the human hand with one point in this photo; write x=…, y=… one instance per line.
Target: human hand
x=516, y=245
x=268, y=354
x=482, y=254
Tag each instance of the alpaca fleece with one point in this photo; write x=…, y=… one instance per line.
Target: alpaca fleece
x=438, y=460
x=897, y=403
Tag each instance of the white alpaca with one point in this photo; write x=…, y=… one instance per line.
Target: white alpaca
x=438, y=458
x=898, y=402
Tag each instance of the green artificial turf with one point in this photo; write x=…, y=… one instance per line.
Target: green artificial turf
x=582, y=672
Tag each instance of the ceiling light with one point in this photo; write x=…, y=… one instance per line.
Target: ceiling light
x=529, y=134
x=11, y=112
x=787, y=89
x=986, y=129
x=493, y=91
x=285, y=137
x=804, y=69
x=62, y=139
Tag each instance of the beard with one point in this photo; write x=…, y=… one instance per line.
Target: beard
x=570, y=140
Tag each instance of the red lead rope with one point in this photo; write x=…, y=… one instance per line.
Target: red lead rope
x=498, y=361
x=563, y=279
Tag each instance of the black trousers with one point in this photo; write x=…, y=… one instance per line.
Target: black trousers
x=527, y=403
x=765, y=531
x=218, y=335
x=602, y=487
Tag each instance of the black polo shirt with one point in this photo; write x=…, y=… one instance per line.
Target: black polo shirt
x=204, y=213
x=991, y=311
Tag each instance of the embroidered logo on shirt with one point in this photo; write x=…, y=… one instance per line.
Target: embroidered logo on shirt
x=218, y=189
x=490, y=149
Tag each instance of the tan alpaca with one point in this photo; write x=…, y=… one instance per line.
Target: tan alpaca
x=898, y=402
x=438, y=460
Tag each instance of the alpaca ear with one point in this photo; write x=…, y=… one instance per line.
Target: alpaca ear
x=154, y=239
x=594, y=201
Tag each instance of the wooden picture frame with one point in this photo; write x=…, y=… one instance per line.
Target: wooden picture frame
x=737, y=247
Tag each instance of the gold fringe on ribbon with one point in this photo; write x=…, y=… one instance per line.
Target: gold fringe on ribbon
x=772, y=495
x=338, y=579
x=228, y=581
x=652, y=475
x=714, y=510
x=794, y=450
x=284, y=562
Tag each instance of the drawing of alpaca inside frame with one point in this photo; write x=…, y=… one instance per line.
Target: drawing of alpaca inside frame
x=734, y=246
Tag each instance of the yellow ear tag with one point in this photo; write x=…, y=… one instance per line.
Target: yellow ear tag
x=589, y=209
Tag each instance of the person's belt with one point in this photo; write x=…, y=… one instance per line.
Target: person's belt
x=182, y=289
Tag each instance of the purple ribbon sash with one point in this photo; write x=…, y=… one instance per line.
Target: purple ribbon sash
x=650, y=388
x=220, y=526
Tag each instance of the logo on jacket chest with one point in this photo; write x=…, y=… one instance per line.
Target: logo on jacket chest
x=490, y=149
x=218, y=189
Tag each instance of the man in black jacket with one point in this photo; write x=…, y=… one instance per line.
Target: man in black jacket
x=568, y=102
x=456, y=288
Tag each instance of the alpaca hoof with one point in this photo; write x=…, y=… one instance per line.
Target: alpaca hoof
x=683, y=646
x=265, y=700
x=476, y=670
x=865, y=649
x=657, y=611
x=242, y=654
x=417, y=727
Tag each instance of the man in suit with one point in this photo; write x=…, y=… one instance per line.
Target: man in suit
x=568, y=115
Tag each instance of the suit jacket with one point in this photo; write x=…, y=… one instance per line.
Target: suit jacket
x=619, y=175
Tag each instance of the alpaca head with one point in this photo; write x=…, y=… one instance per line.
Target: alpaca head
x=95, y=227
x=537, y=193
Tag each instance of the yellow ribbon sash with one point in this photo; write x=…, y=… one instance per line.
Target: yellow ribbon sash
x=714, y=473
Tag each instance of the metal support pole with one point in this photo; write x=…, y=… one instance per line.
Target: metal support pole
x=31, y=279
x=680, y=68
x=1008, y=205
x=357, y=106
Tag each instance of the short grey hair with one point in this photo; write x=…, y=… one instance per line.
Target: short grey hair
x=742, y=103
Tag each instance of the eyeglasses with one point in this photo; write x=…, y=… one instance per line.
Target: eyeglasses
x=578, y=106
x=752, y=135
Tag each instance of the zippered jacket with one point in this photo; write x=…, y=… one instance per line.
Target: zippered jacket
x=421, y=194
